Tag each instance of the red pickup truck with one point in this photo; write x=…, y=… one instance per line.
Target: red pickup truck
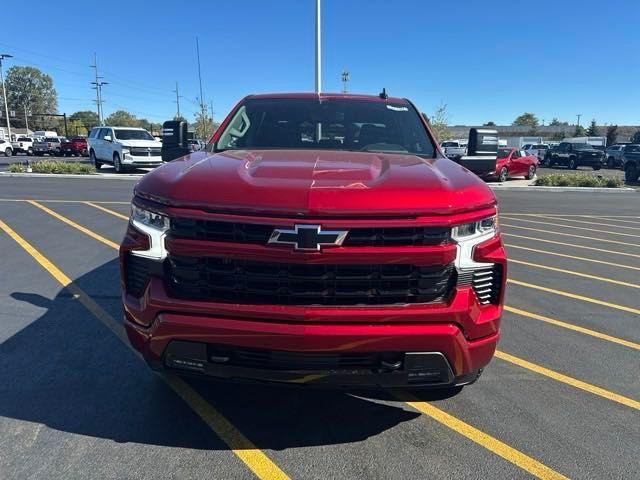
x=76, y=146
x=320, y=239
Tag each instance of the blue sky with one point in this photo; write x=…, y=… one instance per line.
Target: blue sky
x=487, y=60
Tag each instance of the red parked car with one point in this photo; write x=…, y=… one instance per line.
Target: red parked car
x=514, y=163
x=76, y=146
x=319, y=240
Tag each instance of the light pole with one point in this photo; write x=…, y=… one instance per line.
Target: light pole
x=4, y=92
x=579, y=115
x=318, y=50
x=345, y=79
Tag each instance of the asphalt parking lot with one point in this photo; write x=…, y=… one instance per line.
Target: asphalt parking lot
x=561, y=398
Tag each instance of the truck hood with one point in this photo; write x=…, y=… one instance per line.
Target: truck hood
x=316, y=183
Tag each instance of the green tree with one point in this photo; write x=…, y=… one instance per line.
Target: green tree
x=593, y=130
x=180, y=119
x=636, y=137
x=557, y=123
x=612, y=134
x=580, y=131
x=490, y=124
x=527, y=119
x=30, y=88
x=86, y=118
x=438, y=123
x=203, y=126
x=122, y=118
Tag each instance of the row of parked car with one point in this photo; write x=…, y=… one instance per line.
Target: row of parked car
x=54, y=145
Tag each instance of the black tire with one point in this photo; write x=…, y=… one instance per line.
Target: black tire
x=573, y=164
x=597, y=167
x=503, y=176
x=611, y=162
x=547, y=161
x=631, y=173
x=531, y=173
x=57, y=152
x=94, y=160
x=30, y=152
x=117, y=164
x=8, y=152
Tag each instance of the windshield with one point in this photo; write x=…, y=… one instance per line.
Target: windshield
x=449, y=144
x=355, y=125
x=541, y=147
x=503, y=152
x=132, y=134
x=24, y=139
x=582, y=146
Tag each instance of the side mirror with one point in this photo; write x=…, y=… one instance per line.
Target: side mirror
x=107, y=138
x=482, y=151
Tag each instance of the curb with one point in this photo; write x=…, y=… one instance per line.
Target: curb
x=121, y=176
x=533, y=188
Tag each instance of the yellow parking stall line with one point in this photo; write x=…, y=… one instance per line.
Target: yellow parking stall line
x=73, y=224
x=41, y=200
x=575, y=296
x=553, y=217
x=573, y=257
x=568, y=215
x=583, y=237
x=107, y=210
x=574, y=382
x=255, y=459
x=577, y=274
x=583, y=247
x=510, y=454
x=575, y=328
x=573, y=227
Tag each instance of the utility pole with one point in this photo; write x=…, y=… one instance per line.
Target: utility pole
x=98, y=88
x=203, y=107
x=4, y=92
x=211, y=108
x=345, y=79
x=579, y=115
x=26, y=120
x=318, y=49
x=177, y=99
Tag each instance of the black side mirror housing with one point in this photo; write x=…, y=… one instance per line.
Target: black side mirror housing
x=174, y=140
x=482, y=151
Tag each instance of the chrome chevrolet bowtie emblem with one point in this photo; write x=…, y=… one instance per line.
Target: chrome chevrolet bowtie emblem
x=308, y=237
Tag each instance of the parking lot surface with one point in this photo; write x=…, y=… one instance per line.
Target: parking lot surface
x=561, y=398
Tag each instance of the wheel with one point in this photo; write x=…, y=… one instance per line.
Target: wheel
x=8, y=152
x=631, y=172
x=503, y=176
x=531, y=172
x=94, y=160
x=573, y=165
x=30, y=152
x=611, y=162
x=597, y=167
x=547, y=161
x=117, y=164
x=56, y=152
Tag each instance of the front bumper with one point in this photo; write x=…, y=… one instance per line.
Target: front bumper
x=141, y=161
x=181, y=337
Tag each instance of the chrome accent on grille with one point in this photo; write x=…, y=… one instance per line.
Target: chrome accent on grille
x=486, y=282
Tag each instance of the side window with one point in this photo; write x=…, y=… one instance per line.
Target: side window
x=100, y=135
x=516, y=154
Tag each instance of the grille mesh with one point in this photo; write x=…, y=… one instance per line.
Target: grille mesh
x=249, y=282
x=259, y=234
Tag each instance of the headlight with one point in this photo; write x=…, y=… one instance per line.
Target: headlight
x=468, y=235
x=483, y=228
x=148, y=218
x=155, y=226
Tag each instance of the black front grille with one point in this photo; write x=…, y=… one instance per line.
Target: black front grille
x=283, y=360
x=486, y=283
x=249, y=282
x=145, y=151
x=259, y=234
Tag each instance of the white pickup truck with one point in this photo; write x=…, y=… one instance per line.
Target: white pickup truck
x=454, y=148
x=23, y=145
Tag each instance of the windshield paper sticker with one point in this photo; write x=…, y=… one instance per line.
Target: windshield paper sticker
x=397, y=109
